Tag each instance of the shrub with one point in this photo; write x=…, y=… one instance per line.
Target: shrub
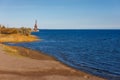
x=22, y=30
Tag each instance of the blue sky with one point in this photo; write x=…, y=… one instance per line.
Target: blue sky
x=61, y=14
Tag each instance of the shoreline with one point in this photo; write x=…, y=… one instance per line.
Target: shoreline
x=33, y=65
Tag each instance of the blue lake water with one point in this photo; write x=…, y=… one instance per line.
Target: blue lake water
x=93, y=51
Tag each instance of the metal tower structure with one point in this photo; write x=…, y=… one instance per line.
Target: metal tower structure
x=35, y=26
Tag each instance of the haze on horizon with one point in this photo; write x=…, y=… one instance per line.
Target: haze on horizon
x=61, y=14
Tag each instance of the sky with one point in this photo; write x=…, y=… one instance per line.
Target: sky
x=61, y=14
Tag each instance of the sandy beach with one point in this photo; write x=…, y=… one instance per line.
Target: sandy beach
x=26, y=64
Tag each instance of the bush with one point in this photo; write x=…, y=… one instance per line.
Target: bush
x=22, y=30
x=25, y=31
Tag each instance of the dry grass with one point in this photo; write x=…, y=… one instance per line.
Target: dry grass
x=32, y=53
x=24, y=52
x=10, y=51
x=17, y=38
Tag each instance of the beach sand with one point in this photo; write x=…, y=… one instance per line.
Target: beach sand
x=26, y=64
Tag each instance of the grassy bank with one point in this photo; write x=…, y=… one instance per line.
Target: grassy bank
x=17, y=38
